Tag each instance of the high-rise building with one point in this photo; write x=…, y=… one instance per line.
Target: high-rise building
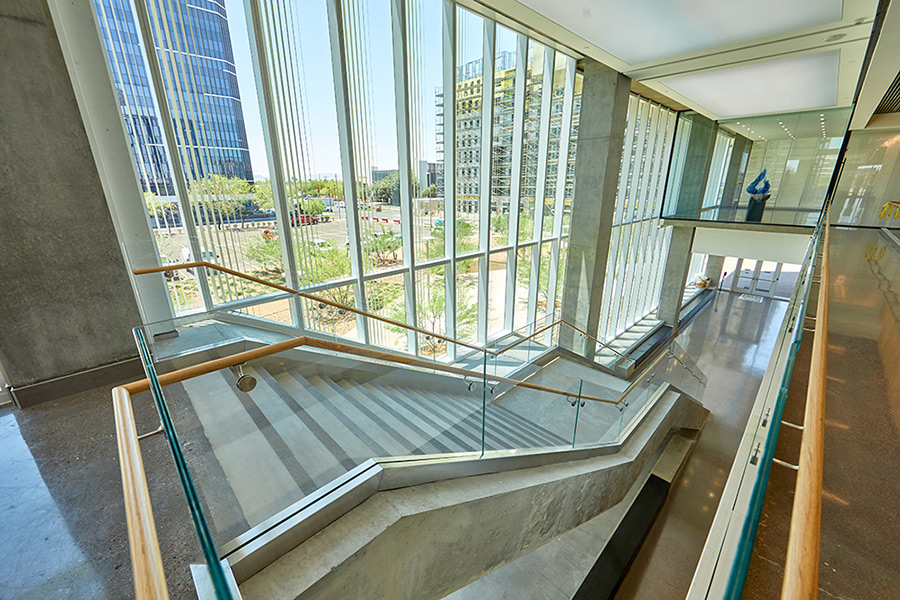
x=469, y=131
x=197, y=63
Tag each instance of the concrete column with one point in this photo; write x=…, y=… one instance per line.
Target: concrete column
x=734, y=179
x=678, y=262
x=601, y=133
x=66, y=301
x=714, y=269
x=695, y=173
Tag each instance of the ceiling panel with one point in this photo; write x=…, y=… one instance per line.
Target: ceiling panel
x=811, y=124
x=783, y=85
x=649, y=30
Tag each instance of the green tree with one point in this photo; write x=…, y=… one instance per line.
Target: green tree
x=266, y=252
x=224, y=197
x=523, y=271
x=323, y=187
x=387, y=189
x=430, y=191
x=262, y=192
x=464, y=241
x=312, y=206
x=163, y=211
x=381, y=247
x=330, y=264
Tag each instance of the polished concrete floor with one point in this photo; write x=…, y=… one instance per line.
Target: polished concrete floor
x=62, y=519
x=731, y=340
x=860, y=544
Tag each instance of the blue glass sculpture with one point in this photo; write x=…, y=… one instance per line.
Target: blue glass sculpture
x=753, y=188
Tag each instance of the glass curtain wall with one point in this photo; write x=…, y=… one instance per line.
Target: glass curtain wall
x=409, y=157
x=638, y=246
x=715, y=183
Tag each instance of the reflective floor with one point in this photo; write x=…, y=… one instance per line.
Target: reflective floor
x=62, y=520
x=731, y=340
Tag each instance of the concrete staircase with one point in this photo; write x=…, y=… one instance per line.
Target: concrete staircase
x=303, y=426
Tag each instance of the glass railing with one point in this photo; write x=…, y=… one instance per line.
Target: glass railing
x=723, y=565
x=259, y=418
x=801, y=210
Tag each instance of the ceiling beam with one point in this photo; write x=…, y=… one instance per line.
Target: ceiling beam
x=882, y=69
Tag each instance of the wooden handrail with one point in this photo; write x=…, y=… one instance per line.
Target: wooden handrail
x=363, y=313
x=311, y=297
x=554, y=324
x=146, y=558
x=638, y=379
x=801, y=569
x=243, y=357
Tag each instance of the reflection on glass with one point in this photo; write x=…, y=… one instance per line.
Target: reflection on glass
x=866, y=192
x=798, y=152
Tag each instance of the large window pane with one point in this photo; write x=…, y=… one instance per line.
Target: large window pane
x=431, y=309
x=295, y=215
x=426, y=122
x=385, y=298
x=466, y=299
x=555, y=138
x=497, y=274
x=373, y=117
x=502, y=146
x=534, y=73
x=469, y=78
x=305, y=122
x=637, y=248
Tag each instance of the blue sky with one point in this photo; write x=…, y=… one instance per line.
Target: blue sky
x=319, y=91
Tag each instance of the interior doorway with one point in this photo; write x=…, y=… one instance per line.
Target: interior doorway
x=758, y=277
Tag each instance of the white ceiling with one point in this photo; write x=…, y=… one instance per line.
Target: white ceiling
x=782, y=85
x=828, y=123
x=640, y=31
x=723, y=58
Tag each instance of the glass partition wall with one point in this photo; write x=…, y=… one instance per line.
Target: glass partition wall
x=795, y=153
x=401, y=156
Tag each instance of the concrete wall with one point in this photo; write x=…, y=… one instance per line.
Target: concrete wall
x=678, y=261
x=66, y=303
x=601, y=133
x=424, y=541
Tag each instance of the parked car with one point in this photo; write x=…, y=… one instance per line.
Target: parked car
x=321, y=244
x=303, y=219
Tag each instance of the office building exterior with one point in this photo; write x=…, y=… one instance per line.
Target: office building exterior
x=200, y=81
